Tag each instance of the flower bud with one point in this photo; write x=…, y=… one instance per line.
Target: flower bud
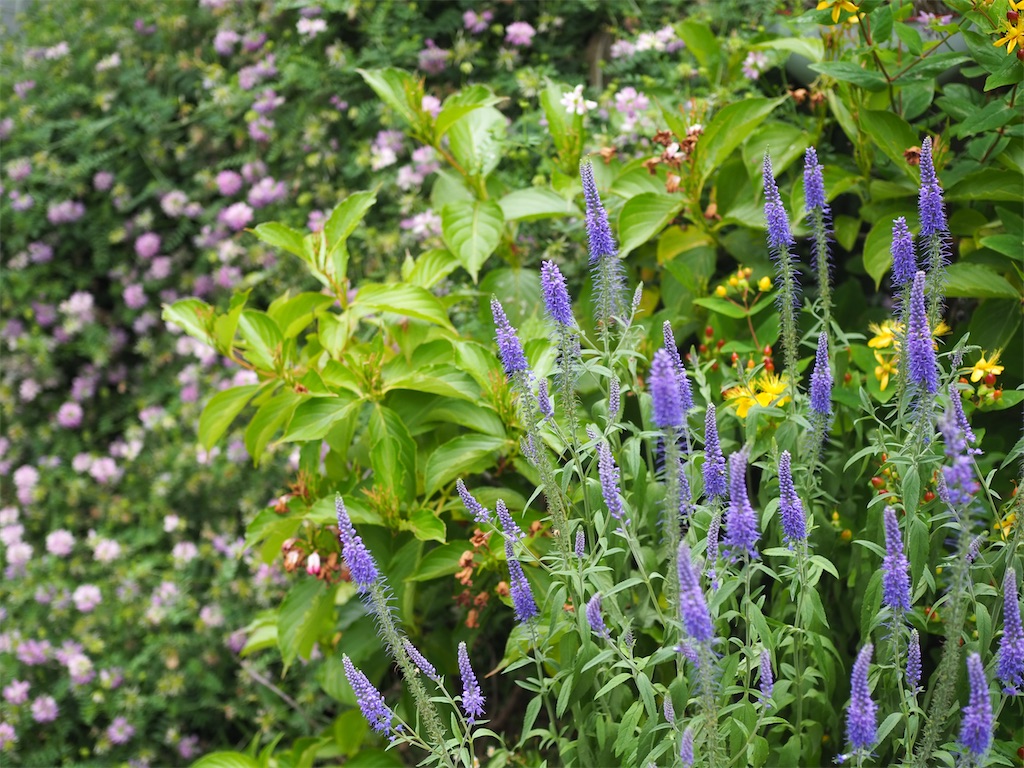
x=313, y=564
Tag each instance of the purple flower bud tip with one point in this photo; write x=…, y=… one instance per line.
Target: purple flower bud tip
x=1010, y=669
x=509, y=348
x=741, y=534
x=556, y=296
x=472, y=698
x=602, y=243
x=360, y=562
x=895, y=566
x=371, y=703
x=779, y=236
x=714, y=459
x=791, y=509
x=904, y=265
x=976, y=725
x=692, y=606
x=609, y=474
x=921, y=365
x=594, y=617
x=814, y=183
x=522, y=596
x=821, y=379
x=861, y=718
x=668, y=409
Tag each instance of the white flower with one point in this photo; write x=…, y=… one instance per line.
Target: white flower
x=574, y=102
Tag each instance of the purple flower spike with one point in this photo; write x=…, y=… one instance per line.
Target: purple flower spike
x=714, y=460
x=480, y=513
x=580, y=549
x=556, y=296
x=371, y=703
x=741, y=533
x=861, y=718
x=614, y=397
x=895, y=566
x=904, y=264
x=544, y=404
x=929, y=202
x=767, y=684
x=668, y=410
x=522, y=596
x=957, y=485
x=692, y=607
x=976, y=726
x=357, y=557
x=1010, y=669
x=420, y=660
x=686, y=748
x=779, y=236
x=914, y=661
x=961, y=417
x=508, y=524
x=791, y=509
x=594, y=617
x=714, y=529
x=602, y=244
x=685, y=393
x=921, y=365
x=814, y=183
x=821, y=379
x=472, y=698
x=509, y=348
x=609, y=474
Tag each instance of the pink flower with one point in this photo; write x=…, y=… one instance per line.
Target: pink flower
x=519, y=33
x=224, y=41
x=476, y=23
x=236, y=216
x=106, y=550
x=432, y=59
x=60, y=543
x=44, y=709
x=135, y=296
x=86, y=597
x=431, y=105
x=17, y=692
x=81, y=669
x=184, y=552
x=120, y=732
x=8, y=735
x=266, y=192
x=228, y=183
x=65, y=212
x=102, y=181
x=104, y=470
x=313, y=564
x=32, y=653
x=70, y=416
x=147, y=245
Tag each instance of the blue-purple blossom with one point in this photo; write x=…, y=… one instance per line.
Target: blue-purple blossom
x=714, y=528
x=509, y=348
x=961, y=417
x=508, y=525
x=861, y=718
x=913, y=675
x=357, y=557
x=976, y=726
x=602, y=243
x=614, y=396
x=929, y=202
x=371, y=703
x=692, y=607
x=767, y=683
x=821, y=379
x=791, y=509
x=1010, y=669
x=779, y=236
x=714, y=459
x=420, y=660
x=519, y=588
x=686, y=748
x=594, y=617
x=685, y=393
x=479, y=512
x=741, y=534
x=556, y=296
x=669, y=710
x=904, y=264
x=666, y=405
x=581, y=544
x=544, y=404
x=957, y=485
x=472, y=698
x=922, y=368
x=609, y=474
x=685, y=494
x=814, y=183
x=895, y=566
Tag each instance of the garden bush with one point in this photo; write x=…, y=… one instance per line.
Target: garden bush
x=371, y=372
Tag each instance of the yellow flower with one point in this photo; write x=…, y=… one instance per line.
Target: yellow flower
x=742, y=398
x=837, y=6
x=1006, y=524
x=1014, y=36
x=886, y=367
x=775, y=386
x=766, y=390
x=984, y=367
x=765, y=283
x=721, y=291
x=885, y=334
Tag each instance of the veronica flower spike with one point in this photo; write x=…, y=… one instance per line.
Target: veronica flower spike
x=472, y=698
x=895, y=567
x=922, y=368
x=357, y=557
x=714, y=460
x=509, y=348
x=861, y=718
x=1010, y=669
x=609, y=280
x=371, y=703
x=780, y=240
x=693, y=608
x=741, y=534
x=976, y=725
x=820, y=217
x=519, y=588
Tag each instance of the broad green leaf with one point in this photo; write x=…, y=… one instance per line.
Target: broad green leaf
x=399, y=90
x=476, y=140
x=636, y=181
x=536, y=203
x=464, y=455
x=225, y=325
x=225, y=760
x=849, y=72
x=260, y=634
x=966, y=280
x=787, y=143
x=406, y=300
x=729, y=128
x=809, y=47
x=703, y=43
x=910, y=38
x=306, y=611
x=440, y=380
x=992, y=116
x=561, y=127
x=1006, y=244
x=429, y=268
x=262, y=338
x=392, y=452
x=293, y=314
x=982, y=50
x=460, y=104
x=441, y=561
x=644, y=216
x=269, y=418
x=472, y=231
x=191, y=315
x=282, y=236
x=987, y=186
x=221, y=411
x=727, y=308
x=340, y=225
x=1010, y=73
x=426, y=526
x=315, y=416
x=891, y=134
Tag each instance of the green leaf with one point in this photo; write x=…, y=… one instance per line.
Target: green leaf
x=1006, y=244
x=464, y=455
x=315, y=417
x=262, y=338
x=221, y=411
x=848, y=72
x=340, y=225
x=472, y=231
x=398, y=89
x=460, y=104
x=441, y=380
x=305, y=613
x=191, y=315
x=703, y=43
x=430, y=268
x=536, y=203
x=406, y=300
x=966, y=280
x=293, y=314
x=809, y=47
x=917, y=548
x=426, y=526
x=994, y=115
x=727, y=308
x=561, y=127
x=729, y=128
x=1009, y=73
x=392, y=453
x=982, y=50
x=440, y=561
x=224, y=326
x=786, y=143
x=476, y=140
x=988, y=187
x=643, y=217
x=225, y=760
x=269, y=418
x=910, y=37
x=891, y=134
x=279, y=235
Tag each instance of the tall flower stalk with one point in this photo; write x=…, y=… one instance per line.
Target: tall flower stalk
x=780, y=240
x=567, y=342
x=821, y=220
x=934, y=237
x=605, y=265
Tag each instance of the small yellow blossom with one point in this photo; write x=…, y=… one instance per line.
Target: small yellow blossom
x=1006, y=524
x=1014, y=36
x=984, y=367
x=837, y=6
x=721, y=292
x=765, y=283
x=766, y=390
x=742, y=398
x=885, y=335
x=886, y=367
